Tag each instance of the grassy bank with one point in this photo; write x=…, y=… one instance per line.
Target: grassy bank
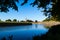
x=48, y=23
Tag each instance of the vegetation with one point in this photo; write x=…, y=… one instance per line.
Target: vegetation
x=29, y=21
x=50, y=19
x=1, y=20
x=8, y=20
x=52, y=34
x=14, y=20
x=53, y=11
x=22, y=21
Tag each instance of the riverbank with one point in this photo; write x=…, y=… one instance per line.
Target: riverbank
x=48, y=23
x=14, y=23
x=52, y=34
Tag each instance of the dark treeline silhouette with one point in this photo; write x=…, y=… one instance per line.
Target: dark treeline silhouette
x=52, y=34
x=9, y=20
x=15, y=20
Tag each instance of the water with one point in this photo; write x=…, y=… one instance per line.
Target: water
x=22, y=32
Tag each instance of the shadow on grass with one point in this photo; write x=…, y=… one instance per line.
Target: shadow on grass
x=52, y=34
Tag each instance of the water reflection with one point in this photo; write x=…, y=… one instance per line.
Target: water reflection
x=22, y=32
x=3, y=38
x=36, y=25
x=8, y=38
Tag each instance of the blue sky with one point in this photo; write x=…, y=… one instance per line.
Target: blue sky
x=24, y=12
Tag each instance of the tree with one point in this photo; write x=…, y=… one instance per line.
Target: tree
x=14, y=20
x=54, y=11
x=50, y=19
x=36, y=21
x=22, y=21
x=8, y=20
x=6, y=4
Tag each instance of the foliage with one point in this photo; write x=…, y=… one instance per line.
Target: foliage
x=22, y=21
x=54, y=11
x=8, y=20
x=14, y=20
x=50, y=19
x=6, y=4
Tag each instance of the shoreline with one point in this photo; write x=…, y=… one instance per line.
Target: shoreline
x=48, y=23
x=14, y=23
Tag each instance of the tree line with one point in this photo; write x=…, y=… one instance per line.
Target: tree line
x=15, y=20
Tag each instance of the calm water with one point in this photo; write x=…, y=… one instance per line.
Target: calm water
x=22, y=32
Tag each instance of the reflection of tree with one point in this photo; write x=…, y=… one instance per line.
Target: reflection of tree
x=14, y=20
x=36, y=25
x=52, y=34
x=36, y=21
x=9, y=37
x=3, y=38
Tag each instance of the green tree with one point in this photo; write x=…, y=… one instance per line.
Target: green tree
x=14, y=20
x=6, y=4
x=50, y=19
x=8, y=20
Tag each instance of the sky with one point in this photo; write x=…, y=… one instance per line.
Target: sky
x=24, y=12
